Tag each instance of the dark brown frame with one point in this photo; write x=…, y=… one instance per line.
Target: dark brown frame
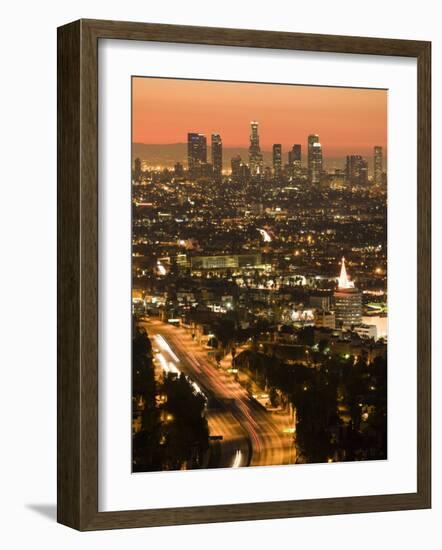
x=78, y=269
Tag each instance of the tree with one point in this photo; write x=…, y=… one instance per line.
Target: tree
x=306, y=336
x=322, y=345
x=274, y=397
x=145, y=443
x=143, y=377
x=225, y=332
x=185, y=427
x=316, y=404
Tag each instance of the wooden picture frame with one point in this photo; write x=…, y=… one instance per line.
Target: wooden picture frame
x=78, y=274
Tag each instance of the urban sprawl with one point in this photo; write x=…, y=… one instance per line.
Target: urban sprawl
x=259, y=307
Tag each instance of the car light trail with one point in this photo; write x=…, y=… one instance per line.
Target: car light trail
x=162, y=361
x=161, y=341
x=237, y=460
x=196, y=387
x=169, y=367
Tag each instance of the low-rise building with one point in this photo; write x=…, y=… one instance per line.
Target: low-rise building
x=366, y=331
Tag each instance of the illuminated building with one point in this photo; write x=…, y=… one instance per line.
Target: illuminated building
x=217, y=156
x=182, y=261
x=302, y=317
x=196, y=154
x=314, y=158
x=324, y=319
x=255, y=155
x=356, y=170
x=295, y=160
x=226, y=261
x=380, y=322
x=366, y=331
x=347, y=301
x=277, y=160
x=378, y=165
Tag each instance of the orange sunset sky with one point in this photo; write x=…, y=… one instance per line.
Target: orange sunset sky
x=348, y=120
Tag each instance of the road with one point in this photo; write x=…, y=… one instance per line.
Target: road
x=251, y=435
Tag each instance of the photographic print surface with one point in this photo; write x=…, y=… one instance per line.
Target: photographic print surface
x=259, y=274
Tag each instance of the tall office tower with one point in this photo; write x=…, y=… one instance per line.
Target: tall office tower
x=378, y=165
x=255, y=155
x=217, y=157
x=317, y=163
x=295, y=161
x=277, y=160
x=347, y=301
x=196, y=154
x=314, y=159
x=356, y=170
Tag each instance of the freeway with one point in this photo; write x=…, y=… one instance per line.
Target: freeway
x=251, y=435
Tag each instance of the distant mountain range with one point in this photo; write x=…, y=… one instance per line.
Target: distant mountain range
x=159, y=154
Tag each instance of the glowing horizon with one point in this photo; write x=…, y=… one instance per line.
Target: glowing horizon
x=348, y=120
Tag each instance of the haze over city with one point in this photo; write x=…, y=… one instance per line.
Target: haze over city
x=349, y=120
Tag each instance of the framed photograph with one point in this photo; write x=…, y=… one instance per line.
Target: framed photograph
x=243, y=274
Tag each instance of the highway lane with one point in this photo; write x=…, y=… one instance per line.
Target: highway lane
x=234, y=449
x=250, y=433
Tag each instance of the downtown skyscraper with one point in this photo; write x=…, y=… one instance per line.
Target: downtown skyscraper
x=356, y=170
x=314, y=159
x=277, y=160
x=196, y=154
x=295, y=163
x=255, y=155
x=217, y=157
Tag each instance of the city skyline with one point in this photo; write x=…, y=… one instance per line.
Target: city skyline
x=349, y=121
x=315, y=168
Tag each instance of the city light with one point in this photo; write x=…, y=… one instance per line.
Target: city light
x=161, y=269
x=161, y=341
x=265, y=235
x=259, y=301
